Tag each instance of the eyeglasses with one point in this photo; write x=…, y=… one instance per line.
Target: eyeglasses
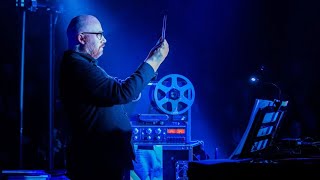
x=98, y=34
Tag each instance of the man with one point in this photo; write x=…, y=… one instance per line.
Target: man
x=93, y=100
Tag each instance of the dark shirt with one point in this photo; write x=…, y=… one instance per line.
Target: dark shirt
x=94, y=101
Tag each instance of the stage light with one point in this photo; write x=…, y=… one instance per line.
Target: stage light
x=254, y=79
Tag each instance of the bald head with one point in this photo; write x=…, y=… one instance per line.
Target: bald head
x=81, y=23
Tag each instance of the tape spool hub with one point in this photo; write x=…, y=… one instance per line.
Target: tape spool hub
x=174, y=94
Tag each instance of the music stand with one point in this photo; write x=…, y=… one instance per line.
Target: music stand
x=262, y=129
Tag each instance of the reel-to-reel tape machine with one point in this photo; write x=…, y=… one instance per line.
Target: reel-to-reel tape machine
x=161, y=114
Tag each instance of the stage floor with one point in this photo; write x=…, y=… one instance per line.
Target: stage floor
x=247, y=168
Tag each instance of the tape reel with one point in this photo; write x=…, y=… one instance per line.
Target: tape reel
x=174, y=94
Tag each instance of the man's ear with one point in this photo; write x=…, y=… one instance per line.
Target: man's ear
x=81, y=39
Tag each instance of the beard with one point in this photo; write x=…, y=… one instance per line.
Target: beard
x=96, y=52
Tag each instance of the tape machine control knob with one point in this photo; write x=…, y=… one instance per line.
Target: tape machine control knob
x=158, y=131
x=149, y=131
x=135, y=131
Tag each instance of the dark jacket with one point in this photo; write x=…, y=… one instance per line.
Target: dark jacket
x=94, y=101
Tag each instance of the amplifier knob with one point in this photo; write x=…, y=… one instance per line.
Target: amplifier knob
x=148, y=137
x=135, y=137
x=158, y=137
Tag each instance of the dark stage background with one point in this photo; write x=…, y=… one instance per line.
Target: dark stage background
x=216, y=44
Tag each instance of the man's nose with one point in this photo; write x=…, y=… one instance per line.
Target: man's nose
x=104, y=40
